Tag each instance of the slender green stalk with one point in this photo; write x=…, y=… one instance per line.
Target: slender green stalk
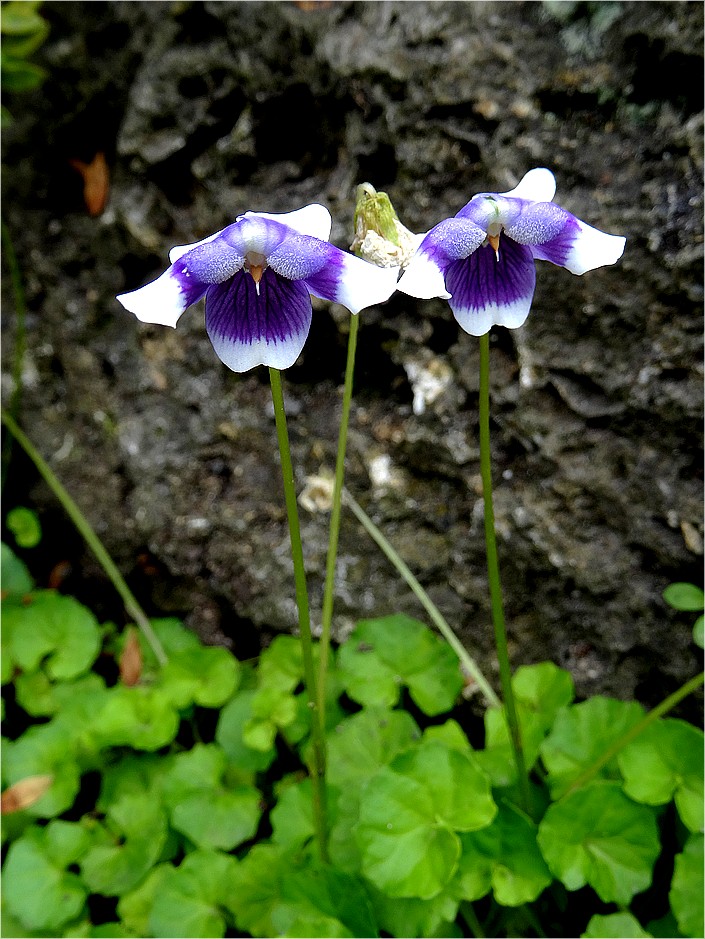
x=467, y=911
x=327, y=614
x=90, y=537
x=500, y=630
x=20, y=338
x=468, y=663
x=663, y=708
x=297, y=554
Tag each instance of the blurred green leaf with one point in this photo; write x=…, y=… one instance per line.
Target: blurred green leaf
x=206, y=675
x=383, y=654
x=134, y=907
x=413, y=917
x=687, y=887
x=281, y=664
x=14, y=576
x=292, y=816
x=235, y=716
x=580, y=735
x=54, y=627
x=686, y=597
x=666, y=761
x=139, y=717
x=20, y=16
x=614, y=926
x=360, y=745
x=45, y=748
x=699, y=631
x=40, y=893
x=24, y=525
x=19, y=75
x=598, y=836
x=410, y=813
x=189, y=899
x=135, y=833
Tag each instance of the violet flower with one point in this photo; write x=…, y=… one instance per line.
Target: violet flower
x=257, y=276
x=482, y=261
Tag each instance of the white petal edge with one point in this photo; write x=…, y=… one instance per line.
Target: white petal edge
x=538, y=185
x=363, y=284
x=179, y=250
x=313, y=220
x=241, y=357
x=423, y=279
x=162, y=302
x=593, y=248
x=478, y=322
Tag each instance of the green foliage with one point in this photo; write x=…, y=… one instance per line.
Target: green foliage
x=197, y=828
x=24, y=525
x=23, y=31
x=688, y=598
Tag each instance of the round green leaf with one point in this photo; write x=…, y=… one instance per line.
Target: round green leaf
x=580, y=735
x=687, y=886
x=41, y=894
x=598, y=836
x=55, y=626
x=666, y=761
x=699, y=631
x=409, y=813
x=206, y=675
x=256, y=888
x=360, y=745
x=24, y=525
x=413, y=917
x=139, y=717
x=181, y=907
x=45, y=749
x=218, y=819
x=686, y=597
x=233, y=719
x=505, y=857
x=615, y=926
x=383, y=654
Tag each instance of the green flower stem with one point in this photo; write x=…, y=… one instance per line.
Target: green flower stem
x=500, y=630
x=297, y=554
x=90, y=537
x=468, y=663
x=663, y=708
x=327, y=613
x=467, y=911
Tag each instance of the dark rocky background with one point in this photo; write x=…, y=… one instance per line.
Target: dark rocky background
x=207, y=110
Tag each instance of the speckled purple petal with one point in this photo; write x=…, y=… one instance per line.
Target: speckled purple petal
x=249, y=327
x=487, y=291
x=447, y=242
x=352, y=282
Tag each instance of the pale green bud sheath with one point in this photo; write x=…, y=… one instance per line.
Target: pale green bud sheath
x=379, y=235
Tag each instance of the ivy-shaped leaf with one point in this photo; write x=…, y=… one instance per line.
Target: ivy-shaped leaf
x=666, y=761
x=234, y=718
x=383, y=654
x=580, y=735
x=139, y=717
x=504, y=857
x=38, y=890
x=360, y=745
x=687, y=886
x=190, y=897
x=614, y=926
x=14, y=575
x=207, y=675
x=598, y=836
x=45, y=749
x=413, y=917
x=410, y=813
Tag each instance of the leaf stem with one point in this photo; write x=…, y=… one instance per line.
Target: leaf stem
x=666, y=705
x=334, y=532
x=90, y=537
x=20, y=338
x=497, y=606
x=467, y=911
x=468, y=663
x=317, y=739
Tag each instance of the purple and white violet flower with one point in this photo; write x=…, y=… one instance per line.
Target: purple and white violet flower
x=482, y=261
x=257, y=276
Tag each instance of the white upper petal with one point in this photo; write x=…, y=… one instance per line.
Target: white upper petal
x=161, y=302
x=593, y=248
x=311, y=220
x=363, y=284
x=178, y=250
x=423, y=278
x=538, y=185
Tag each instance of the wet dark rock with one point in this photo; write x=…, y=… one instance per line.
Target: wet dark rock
x=206, y=110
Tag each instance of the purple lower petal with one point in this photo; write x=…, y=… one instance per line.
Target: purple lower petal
x=249, y=327
x=487, y=291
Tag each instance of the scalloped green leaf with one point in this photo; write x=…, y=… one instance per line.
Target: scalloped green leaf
x=190, y=897
x=40, y=893
x=541, y=691
x=47, y=625
x=135, y=906
x=615, y=926
x=23, y=522
x=383, y=654
x=666, y=762
x=139, y=717
x=281, y=664
x=292, y=816
x=598, y=836
x=503, y=857
x=413, y=917
x=360, y=745
x=206, y=675
x=580, y=735
x=128, y=848
x=45, y=749
x=256, y=888
x=686, y=894
x=410, y=813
